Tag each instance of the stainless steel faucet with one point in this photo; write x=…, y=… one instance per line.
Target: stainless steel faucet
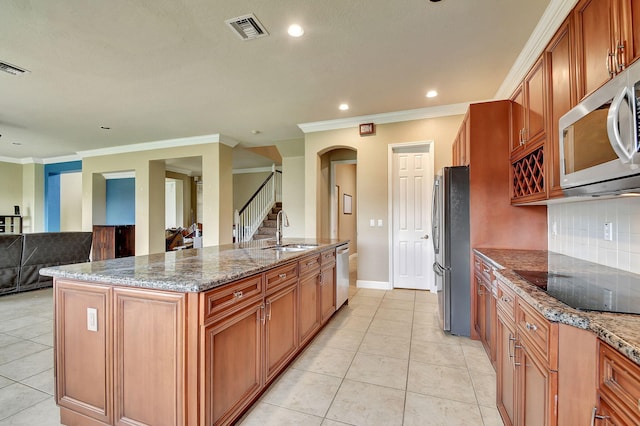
x=281, y=220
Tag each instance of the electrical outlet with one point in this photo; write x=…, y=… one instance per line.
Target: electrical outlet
x=554, y=228
x=92, y=319
x=608, y=231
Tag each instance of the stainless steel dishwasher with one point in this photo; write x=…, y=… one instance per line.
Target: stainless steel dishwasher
x=342, y=274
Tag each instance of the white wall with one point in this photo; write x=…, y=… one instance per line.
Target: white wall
x=71, y=202
x=293, y=176
x=579, y=231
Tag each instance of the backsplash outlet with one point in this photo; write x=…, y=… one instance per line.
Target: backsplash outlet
x=579, y=231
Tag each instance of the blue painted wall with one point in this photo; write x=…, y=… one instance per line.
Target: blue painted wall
x=52, y=174
x=121, y=201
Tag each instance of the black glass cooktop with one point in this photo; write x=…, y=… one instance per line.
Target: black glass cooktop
x=587, y=286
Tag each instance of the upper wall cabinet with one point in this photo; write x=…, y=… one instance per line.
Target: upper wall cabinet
x=605, y=40
x=561, y=97
x=461, y=145
x=528, y=136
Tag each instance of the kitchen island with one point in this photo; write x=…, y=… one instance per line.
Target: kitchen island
x=185, y=338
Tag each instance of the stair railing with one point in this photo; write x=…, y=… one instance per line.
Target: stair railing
x=252, y=214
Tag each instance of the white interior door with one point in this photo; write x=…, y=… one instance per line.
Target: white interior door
x=412, y=185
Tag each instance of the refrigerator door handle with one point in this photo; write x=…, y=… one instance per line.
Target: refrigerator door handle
x=438, y=269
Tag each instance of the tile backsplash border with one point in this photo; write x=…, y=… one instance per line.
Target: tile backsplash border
x=576, y=229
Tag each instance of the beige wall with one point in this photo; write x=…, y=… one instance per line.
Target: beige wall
x=71, y=202
x=347, y=223
x=150, y=185
x=245, y=185
x=188, y=204
x=293, y=176
x=32, y=208
x=372, y=181
x=11, y=192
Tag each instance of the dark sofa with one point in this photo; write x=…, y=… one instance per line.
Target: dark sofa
x=27, y=253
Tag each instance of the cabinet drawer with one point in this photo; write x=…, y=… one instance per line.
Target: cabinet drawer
x=506, y=300
x=281, y=276
x=328, y=258
x=309, y=264
x=487, y=271
x=230, y=297
x=537, y=332
x=619, y=380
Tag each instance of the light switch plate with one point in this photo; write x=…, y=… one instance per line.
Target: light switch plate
x=372, y=222
x=608, y=231
x=380, y=222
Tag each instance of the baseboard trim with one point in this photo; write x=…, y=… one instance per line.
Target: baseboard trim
x=375, y=285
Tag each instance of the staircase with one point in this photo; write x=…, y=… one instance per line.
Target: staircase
x=268, y=227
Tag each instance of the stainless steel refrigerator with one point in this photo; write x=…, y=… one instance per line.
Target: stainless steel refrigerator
x=450, y=236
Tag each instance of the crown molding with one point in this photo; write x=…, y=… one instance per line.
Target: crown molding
x=253, y=170
x=167, y=143
x=179, y=170
x=119, y=175
x=387, y=117
x=553, y=16
x=13, y=160
x=61, y=159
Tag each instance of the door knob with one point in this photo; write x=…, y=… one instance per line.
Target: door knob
x=425, y=237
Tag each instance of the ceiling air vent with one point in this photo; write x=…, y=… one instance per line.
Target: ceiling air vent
x=11, y=69
x=247, y=27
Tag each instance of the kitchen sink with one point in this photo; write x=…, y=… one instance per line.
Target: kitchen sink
x=292, y=247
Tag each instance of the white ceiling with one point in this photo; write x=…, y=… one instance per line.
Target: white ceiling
x=166, y=69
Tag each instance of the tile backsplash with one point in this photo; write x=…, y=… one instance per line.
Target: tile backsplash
x=577, y=229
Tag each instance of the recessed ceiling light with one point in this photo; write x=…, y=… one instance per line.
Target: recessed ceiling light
x=256, y=132
x=295, y=30
x=343, y=107
x=16, y=143
x=105, y=127
x=432, y=94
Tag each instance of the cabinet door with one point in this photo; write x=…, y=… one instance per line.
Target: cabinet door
x=327, y=293
x=608, y=415
x=103, y=243
x=479, y=317
x=149, y=351
x=84, y=373
x=594, y=31
x=488, y=331
x=309, y=307
x=281, y=331
x=517, y=119
x=537, y=391
x=535, y=88
x=506, y=374
x=561, y=97
x=232, y=364
x=630, y=19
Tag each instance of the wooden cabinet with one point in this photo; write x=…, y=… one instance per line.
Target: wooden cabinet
x=111, y=371
x=11, y=224
x=110, y=242
x=232, y=363
x=560, y=62
x=606, y=40
x=618, y=388
x=484, y=320
x=461, y=145
x=528, y=109
x=328, y=285
x=281, y=327
x=527, y=361
x=309, y=297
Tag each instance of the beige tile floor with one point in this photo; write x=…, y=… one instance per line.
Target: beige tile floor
x=381, y=360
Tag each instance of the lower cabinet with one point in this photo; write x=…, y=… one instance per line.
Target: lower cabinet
x=232, y=360
x=309, y=306
x=527, y=382
x=281, y=329
x=327, y=292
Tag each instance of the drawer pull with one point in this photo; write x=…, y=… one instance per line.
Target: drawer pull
x=311, y=263
x=505, y=299
x=238, y=294
x=283, y=276
x=595, y=416
x=486, y=270
x=531, y=327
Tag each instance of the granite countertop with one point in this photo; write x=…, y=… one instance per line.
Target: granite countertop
x=192, y=270
x=621, y=331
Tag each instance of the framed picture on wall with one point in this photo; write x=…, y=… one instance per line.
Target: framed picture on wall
x=346, y=204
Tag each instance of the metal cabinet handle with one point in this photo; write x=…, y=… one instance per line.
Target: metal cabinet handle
x=486, y=270
x=480, y=292
x=531, y=327
x=595, y=416
x=607, y=62
x=505, y=299
x=512, y=356
x=238, y=294
x=263, y=317
x=269, y=310
x=283, y=276
x=619, y=57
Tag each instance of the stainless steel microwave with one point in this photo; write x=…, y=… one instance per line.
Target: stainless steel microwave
x=599, y=150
